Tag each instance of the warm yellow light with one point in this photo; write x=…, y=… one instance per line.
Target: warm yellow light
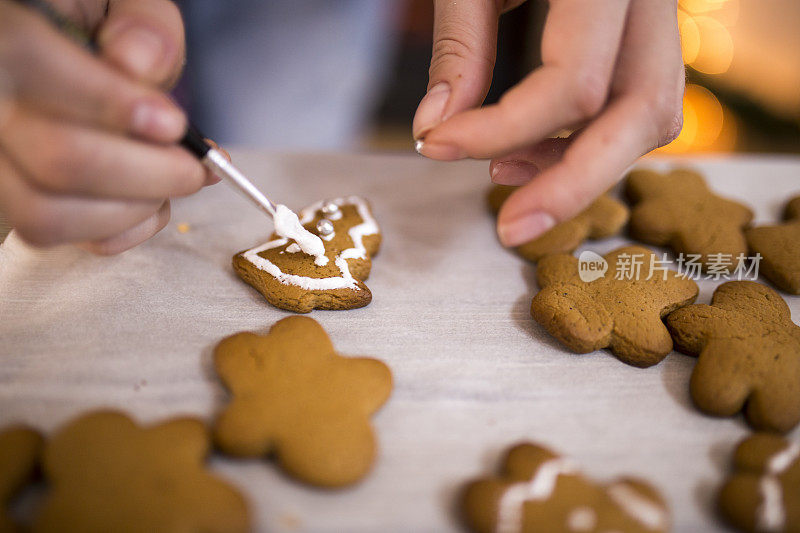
x=707, y=126
x=690, y=36
x=715, y=51
x=709, y=115
x=701, y=6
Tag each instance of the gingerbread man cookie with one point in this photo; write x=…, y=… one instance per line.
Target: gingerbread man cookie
x=749, y=355
x=779, y=247
x=678, y=210
x=292, y=280
x=109, y=474
x=618, y=310
x=497, y=195
x=603, y=218
x=540, y=491
x=295, y=398
x=764, y=492
x=19, y=455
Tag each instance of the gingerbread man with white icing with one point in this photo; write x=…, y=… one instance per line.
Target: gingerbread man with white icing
x=293, y=280
x=764, y=492
x=540, y=491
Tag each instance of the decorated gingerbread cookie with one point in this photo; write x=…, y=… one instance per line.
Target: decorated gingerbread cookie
x=539, y=491
x=107, y=473
x=678, y=210
x=603, y=218
x=620, y=309
x=749, y=355
x=19, y=456
x=294, y=397
x=295, y=281
x=763, y=494
x=779, y=247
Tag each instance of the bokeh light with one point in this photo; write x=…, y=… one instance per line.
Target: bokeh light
x=690, y=36
x=701, y=6
x=715, y=46
x=707, y=125
x=707, y=47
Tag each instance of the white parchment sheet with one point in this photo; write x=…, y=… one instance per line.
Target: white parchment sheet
x=450, y=316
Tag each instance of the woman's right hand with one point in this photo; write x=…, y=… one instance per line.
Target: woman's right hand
x=87, y=143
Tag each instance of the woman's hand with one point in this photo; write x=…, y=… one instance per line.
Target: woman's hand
x=612, y=69
x=87, y=149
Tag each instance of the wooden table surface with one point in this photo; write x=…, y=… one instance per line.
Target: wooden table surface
x=450, y=316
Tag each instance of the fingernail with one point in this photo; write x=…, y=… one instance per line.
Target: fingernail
x=139, y=50
x=525, y=228
x=158, y=121
x=442, y=152
x=211, y=179
x=430, y=111
x=513, y=172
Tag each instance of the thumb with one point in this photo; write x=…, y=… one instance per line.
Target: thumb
x=145, y=39
x=464, y=47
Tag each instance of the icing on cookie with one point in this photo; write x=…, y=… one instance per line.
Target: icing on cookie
x=646, y=512
x=357, y=233
x=770, y=515
x=288, y=226
x=582, y=519
x=540, y=487
x=331, y=210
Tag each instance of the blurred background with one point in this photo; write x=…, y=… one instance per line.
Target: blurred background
x=347, y=75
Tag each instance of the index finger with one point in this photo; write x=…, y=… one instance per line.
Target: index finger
x=579, y=49
x=146, y=39
x=49, y=72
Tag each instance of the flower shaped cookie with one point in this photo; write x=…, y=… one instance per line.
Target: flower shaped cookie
x=109, y=474
x=295, y=398
x=749, y=355
x=540, y=491
x=611, y=311
x=292, y=280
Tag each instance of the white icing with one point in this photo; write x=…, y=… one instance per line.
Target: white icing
x=288, y=226
x=336, y=215
x=647, y=512
x=345, y=281
x=582, y=519
x=540, y=487
x=783, y=460
x=292, y=248
x=328, y=237
x=770, y=515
